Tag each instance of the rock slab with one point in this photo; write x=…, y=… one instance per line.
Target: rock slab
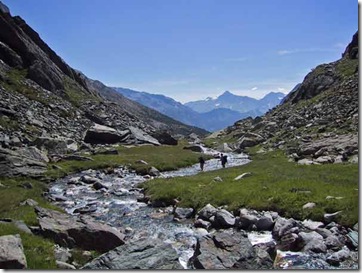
x=12, y=252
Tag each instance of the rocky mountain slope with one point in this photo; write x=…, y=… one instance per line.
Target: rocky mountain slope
x=242, y=104
x=45, y=104
x=215, y=118
x=317, y=122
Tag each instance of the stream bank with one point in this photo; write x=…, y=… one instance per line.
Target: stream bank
x=115, y=199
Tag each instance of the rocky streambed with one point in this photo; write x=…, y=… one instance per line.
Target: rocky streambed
x=169, y=237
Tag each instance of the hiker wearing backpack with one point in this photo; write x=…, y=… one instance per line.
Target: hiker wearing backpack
x=223, y=159
x=202, y=162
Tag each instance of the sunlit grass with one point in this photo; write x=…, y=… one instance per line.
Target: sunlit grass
x=164, y=158
x=275, y=184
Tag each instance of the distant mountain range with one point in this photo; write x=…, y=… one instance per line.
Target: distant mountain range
x=210, y=114
x=242, y=104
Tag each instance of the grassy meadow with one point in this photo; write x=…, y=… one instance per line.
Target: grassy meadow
x=275, y=184
x=40, y=251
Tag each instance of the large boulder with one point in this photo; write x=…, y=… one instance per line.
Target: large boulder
x=142, y=254
x=223, y=219
x=312, y=241
x=142, y=137
x=100, y=134
x=70, y=231
x=194, y=148
x=224, y=251
x=20, y=163
x=57, y=145
x=165, y=138
x=12, y=252
x=207, y=212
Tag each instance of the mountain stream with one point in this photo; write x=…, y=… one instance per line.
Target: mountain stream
x=120, y=206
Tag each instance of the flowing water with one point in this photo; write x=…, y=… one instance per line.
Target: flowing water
x=119, y=207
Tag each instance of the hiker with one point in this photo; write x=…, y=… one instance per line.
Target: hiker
x=223, y=159
x=202, y=163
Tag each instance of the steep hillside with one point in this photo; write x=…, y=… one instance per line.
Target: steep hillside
x=317, y=122
x=234, y=102
x=45, y=104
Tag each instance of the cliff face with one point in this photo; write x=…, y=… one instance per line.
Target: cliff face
x=318, y=120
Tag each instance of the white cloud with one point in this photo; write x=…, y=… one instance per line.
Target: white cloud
x=280, y=89
x=254, y=88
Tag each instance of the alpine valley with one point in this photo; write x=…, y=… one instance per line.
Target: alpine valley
x=93, y=177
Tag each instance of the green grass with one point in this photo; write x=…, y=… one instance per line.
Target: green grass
x=347, y=67
x=12, y=195
x=270, y=187
x=74, y=93
x=164, y=158
x=38, y=250
x=15, y=83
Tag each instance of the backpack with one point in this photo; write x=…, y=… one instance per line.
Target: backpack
x=225, y=158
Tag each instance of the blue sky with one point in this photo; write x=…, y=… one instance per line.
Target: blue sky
x=192, y=49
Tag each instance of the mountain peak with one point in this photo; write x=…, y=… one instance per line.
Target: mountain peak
x=226, y=94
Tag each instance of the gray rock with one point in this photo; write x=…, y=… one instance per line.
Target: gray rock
x=62, y=254
x=89, y=179
x=64, y=265
x=312, y=225
x=312, y=241
x=333, y=242
x=29, y=202
x=194, y=148
x=154, y=172
x=207, y=212
x=12, y=252
x=18, y=163
x=142, y=254
x=183, y=213
x=289, y=241
x=143, y=137
x=246, y=219
x=100, y=134
x=337, y=257
x=330, y=217
x=309, y=205
x=242, y=176
x=199, y=223
x=223, y=219
x=353, y=237
x=282, y=226
x=217, y=179
x=57, y=145
x=164, y=138
x=355, y=227
x=98, y=185
x=68, y=231
x=324, y=232
x=324, y=159
x=223, y=251
x=264, y=223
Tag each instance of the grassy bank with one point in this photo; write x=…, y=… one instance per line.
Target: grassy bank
x=40, y=251
x=274, y=184
x=164, y=158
